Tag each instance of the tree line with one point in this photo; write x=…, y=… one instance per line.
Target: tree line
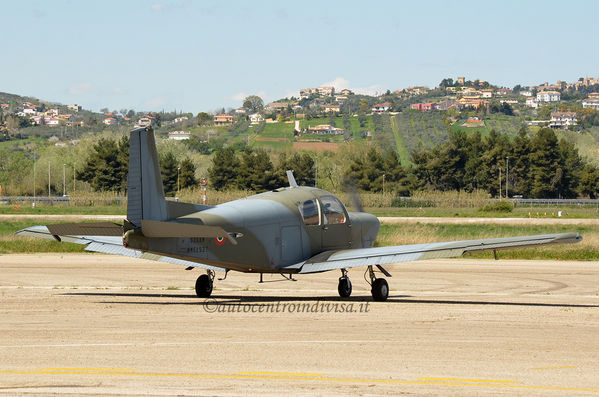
x=107, y=165
x=537, y=166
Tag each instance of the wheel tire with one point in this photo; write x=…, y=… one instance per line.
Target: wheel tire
x=344, y=287
x=203, y=286
x=380, y=290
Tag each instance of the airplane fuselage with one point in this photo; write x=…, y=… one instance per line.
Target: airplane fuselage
x=273, y=231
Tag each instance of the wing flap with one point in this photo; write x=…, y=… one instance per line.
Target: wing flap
x=408, y=253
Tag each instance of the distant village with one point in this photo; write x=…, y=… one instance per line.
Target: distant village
x=325, y=101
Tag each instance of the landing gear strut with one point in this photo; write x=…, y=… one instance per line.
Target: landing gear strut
x=379, y=286
x=204, y=284
x=344, y=287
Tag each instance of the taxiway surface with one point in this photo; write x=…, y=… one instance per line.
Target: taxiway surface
x=85, y=324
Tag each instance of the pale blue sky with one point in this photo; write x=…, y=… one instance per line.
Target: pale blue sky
x=200, y=55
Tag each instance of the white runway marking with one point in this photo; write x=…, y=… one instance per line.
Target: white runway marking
x=265, y=342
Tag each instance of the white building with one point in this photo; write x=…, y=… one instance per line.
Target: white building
x=109, y=121
x=548, y=96
x=562, y=119
x=179, y=135
x=592, y=103
x=325, y=129
x=74, y=107
x=256, y=118
x=532, y=102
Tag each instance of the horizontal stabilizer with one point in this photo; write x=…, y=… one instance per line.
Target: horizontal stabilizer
x=86, y=229
x=174, y=229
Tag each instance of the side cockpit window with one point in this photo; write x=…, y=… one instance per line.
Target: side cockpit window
x=333, y=210
x=309, y=211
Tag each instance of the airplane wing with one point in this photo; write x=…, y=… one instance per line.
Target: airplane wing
x=101, y=237
x=331, y=260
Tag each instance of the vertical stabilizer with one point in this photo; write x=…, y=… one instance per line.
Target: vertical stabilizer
x=145, y=192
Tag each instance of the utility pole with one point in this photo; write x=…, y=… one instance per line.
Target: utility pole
x=34, y=178
x=48, y=179
x=178, y=181
x=499, y=183
x=64, y=180
x=507, y=175
x=73, y=176
x=383, y=184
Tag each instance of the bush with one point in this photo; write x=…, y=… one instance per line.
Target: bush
x=498, y=206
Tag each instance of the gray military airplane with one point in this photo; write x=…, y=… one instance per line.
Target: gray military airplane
x=290, y=230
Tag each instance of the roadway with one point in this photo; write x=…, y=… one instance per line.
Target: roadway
x=81, y=324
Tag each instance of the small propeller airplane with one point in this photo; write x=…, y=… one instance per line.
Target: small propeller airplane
x=290, y=230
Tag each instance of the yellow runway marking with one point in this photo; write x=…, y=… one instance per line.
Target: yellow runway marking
x=277, y=373
x=556, y=367
x=470, y=380
x=88, y=369
x=320, y=379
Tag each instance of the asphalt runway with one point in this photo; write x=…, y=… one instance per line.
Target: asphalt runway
x=89, y=324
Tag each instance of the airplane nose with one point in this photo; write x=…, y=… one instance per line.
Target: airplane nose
x=369, y=227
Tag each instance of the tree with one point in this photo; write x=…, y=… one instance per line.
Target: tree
x=302, y=166
x=224, y=170
x=204, y=119
x=253, y=104
x=107, y=165
x=187, y=174
x=168, y=170
x=256, y=171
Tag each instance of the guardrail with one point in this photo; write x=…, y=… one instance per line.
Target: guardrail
x=55, y=200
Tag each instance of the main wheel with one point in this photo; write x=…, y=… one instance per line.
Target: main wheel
x=203, y=286
x=380, y=290
x=344, y=287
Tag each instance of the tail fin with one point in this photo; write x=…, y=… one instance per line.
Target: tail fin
x=145, y=192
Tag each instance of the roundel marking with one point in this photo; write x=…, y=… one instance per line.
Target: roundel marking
x=219, y=240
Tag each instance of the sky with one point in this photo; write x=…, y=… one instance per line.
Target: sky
x=194, y=56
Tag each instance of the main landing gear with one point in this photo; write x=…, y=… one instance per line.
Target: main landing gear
x=204, y=284
x=379, y=286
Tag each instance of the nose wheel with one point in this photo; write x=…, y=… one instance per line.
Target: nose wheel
x=204, y=284
x=344, y=286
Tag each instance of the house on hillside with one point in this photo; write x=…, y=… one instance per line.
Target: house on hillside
x=179, y=135
x=146, y=121
x=504, y=91
x=306, y=92
x=562, y=119
x=74, y=107
x=531, y=102
x=591, y=103
x=548, y=96
x=256, y=118
x=109, y=121
x=486, y=93
x=423, y=107
x=331, y=108
x=382, y=107
x=276, y=107
x=324, y=129
x=326, y=91
x=223, y=119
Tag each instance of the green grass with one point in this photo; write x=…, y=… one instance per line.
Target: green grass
x=402, y=151
x=390, y=234
x=10, y=244
x=63, y=209
x=587, y=250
